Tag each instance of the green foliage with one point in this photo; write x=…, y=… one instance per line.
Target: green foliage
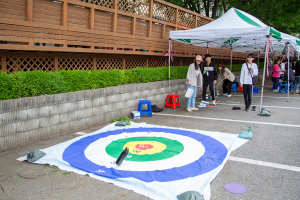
x=33, y=83
x=123, y=118
x=238, y=67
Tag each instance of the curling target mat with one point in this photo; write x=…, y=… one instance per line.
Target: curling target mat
x=162, y=162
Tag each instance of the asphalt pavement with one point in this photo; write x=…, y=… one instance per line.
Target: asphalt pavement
x=268, y=165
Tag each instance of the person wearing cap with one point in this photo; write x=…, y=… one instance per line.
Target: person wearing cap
x=210, y=76
x=194, y=80
x=248, y=71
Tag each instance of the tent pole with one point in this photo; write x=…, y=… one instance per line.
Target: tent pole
x=258, y=61
x=231, y=60
x=169, y=65
x=263, y=79
x=207, y=49
x=288, y=71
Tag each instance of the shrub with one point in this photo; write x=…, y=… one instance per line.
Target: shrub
x=33, y=83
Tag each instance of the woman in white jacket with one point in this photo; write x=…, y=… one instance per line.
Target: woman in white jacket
x=249, y=70
x=194, y=80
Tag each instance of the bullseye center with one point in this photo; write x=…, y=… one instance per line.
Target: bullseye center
x=143, y=146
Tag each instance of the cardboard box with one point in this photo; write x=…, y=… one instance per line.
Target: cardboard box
x=136, y=114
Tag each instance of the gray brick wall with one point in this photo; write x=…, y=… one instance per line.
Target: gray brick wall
x=26, y=121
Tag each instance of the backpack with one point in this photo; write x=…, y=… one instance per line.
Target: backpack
x=154, y=108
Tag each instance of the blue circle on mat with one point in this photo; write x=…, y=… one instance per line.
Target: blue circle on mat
x=215, y=153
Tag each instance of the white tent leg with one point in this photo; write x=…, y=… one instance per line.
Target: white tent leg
x=263, y=79
x=169, y=66
x=231, y=60
x=288, y=71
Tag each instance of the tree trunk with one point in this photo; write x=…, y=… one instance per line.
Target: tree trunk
x=215, y=9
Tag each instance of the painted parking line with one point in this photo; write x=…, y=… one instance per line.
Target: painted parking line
x=268, y=97
x=266, y=164
x=230, y=120
x=238, y=104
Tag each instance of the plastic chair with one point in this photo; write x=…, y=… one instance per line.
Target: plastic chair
x=234, y=87
x=281, y=85
x=292, y=86
x=148, y=111
x=172, y=101
x=240, y=89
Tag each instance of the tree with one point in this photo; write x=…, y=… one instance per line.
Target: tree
x=282, y=15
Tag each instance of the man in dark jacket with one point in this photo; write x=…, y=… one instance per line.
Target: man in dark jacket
x=297, y=76
x=210, y=77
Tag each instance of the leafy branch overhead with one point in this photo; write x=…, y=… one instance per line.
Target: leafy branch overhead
x=282, y=15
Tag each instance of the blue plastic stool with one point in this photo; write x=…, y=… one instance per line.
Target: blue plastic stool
x=148, y=111
x=292, y=86
x=234, y=87
x=285, y=88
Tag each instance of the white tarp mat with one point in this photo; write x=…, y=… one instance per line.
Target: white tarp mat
x=162, y=163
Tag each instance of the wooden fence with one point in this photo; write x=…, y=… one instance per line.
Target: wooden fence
x=119, y=27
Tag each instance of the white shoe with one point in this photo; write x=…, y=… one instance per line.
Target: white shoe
x=189, y=110
x=275, y=90
x=205, y=102
x=194, y=108
x=214, y=102
x=225, y=94
x=229, y=95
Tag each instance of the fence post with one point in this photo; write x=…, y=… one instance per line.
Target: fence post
x=124, y=64
x=150, y=18
x=65, y=13
x=115, y=16
x=55, y=63
x=196, y=24
x=176, y=18
x=147, y=62
x=3, y=64
x=163, y=31
x=29, y=5
x=133, y=25
x=94, y=63
x=92, y=18
x=180, y=62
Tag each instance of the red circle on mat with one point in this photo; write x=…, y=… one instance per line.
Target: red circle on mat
x=143, y=146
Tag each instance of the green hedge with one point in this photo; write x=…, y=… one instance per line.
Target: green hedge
x=33, y=83
x=238, y=67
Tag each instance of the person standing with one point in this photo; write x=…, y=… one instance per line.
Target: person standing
x=248, y=71
x=282, y=66
x=276, y=75
x=297, y=76
x=194, y=80
x=210, y=76
x=228, y=78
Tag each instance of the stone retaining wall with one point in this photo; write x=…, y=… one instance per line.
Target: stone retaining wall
x=26, y=121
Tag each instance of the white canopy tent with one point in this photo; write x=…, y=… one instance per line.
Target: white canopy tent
x=239, y=31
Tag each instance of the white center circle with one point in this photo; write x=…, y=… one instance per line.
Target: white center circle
x=193, y=150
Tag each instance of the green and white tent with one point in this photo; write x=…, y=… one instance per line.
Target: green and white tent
x=240, y=32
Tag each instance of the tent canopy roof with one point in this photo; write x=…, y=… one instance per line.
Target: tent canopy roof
x=238, y=30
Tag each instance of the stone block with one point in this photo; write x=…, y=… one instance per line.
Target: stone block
x=14, y=116
x=94, y=120
x=49, y=121
x=51, y=99
x=60, y=129
x=90, y=103
x=151, y=86
x=54, y=109
x=117, y=114
x=115, y=106
x=8, y=129
x=67, y=117
x=151, y=99
x=28, y=125
x=87, y=94
x=45, y=133
x=109, y=108
x=116, y=98
x=125, y=88
x=39, y=112
x=99, y=110
x=41, y=101
x=135, y=103
x=124, y=97
x=141, y=95
x=162, y=84
x=120, y=98
x=108, y=116
x=77, y=125
x=125, y=104
x=21, y=103
x=76, y=105
x=161, y=91
x=112, y=90
x=7, y=106
x=32, y=102
x=97, y=93
x=107, y=100
x=34, y=135
x=149, y=93
x=83, y=113
x=63, y=98
x=140, y=86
